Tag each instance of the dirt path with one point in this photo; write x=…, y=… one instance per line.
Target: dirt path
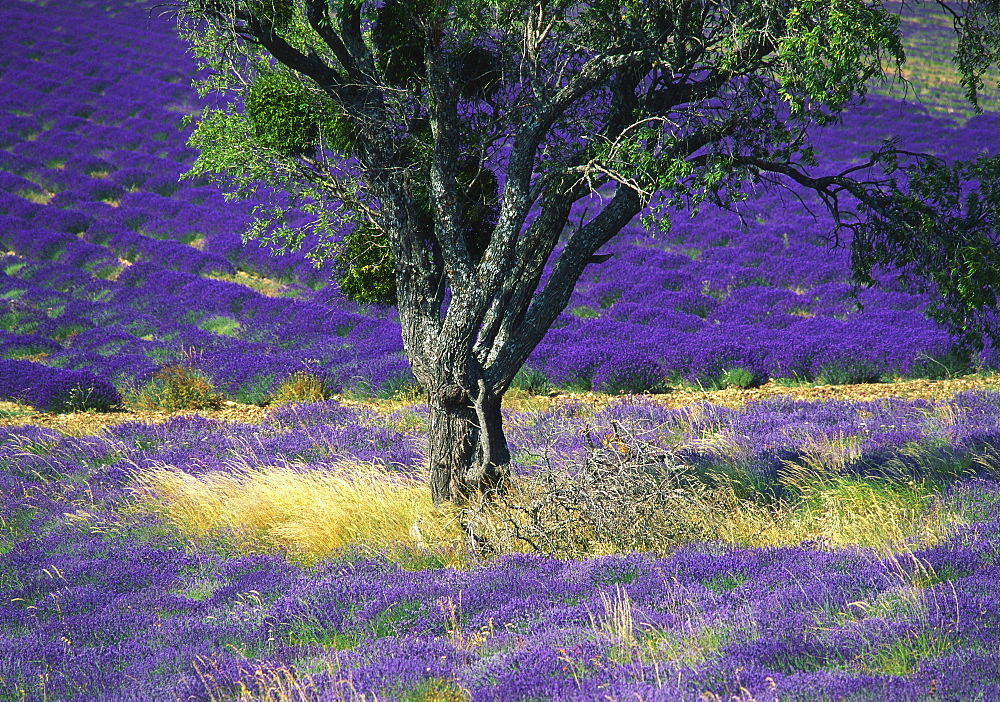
x=85, y=423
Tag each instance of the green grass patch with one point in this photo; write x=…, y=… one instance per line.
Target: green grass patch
x=725, y=583
x=19, y=322
x=221, y=325
x=270, y=287
x=309, y=633
x=434, y=690
x=66, y=331
x=584, y=312
x=737, y=378
x=38, y=197
x=397, y=618
x=903, y=656
x=256, y=391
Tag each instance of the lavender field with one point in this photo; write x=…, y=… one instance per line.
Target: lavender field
x=125, y=578
x=113, y=267
x=783, y=550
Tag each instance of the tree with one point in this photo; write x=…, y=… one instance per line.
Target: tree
x=439, y=147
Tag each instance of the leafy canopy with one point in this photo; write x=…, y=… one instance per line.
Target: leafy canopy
x=409, y=123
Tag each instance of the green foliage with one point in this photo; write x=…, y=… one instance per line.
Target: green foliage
x=223, y=139
x=738, y=378
x=942, y=234
x=178, y=387
x=365, y=268
x=277, y=13
x=978, y=47
x=364, y=264
x=831, y=48
x=281, y=114
x=337, y=132
x=399, y=38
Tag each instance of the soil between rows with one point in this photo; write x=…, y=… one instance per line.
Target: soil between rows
x=88, y=423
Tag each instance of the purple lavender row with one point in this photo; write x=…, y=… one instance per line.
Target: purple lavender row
x=888, y=438
x=120, y=123
x=125, y=329
x=55, y=389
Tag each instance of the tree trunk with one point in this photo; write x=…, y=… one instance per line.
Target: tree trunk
x=468, y=449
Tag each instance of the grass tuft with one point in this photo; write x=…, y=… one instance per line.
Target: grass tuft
x=310, y=514
x=178, y=387
x=302, y=386
x=885, y=516
x=221, y=325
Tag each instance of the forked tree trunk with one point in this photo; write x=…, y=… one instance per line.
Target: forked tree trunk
x=468, y=449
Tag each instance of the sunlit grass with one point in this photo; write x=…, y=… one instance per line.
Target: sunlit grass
x=881, y=515
x=314, y=513
x=828, y=513
x=309, y=513
x=265, y=286
x=39, y=198
x=221, y=325
x=314, y=679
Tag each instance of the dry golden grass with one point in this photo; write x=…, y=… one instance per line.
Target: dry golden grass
x=302, y=386
x=265, y=286
x=314, y=513
x=309, y=513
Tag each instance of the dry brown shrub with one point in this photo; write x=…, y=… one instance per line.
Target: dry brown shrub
x=628, y=496
x=302, y=386
x=178, y=387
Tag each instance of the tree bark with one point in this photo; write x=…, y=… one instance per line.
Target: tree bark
x=467, y=446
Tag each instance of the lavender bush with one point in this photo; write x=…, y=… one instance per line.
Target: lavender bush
x=54, y=389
